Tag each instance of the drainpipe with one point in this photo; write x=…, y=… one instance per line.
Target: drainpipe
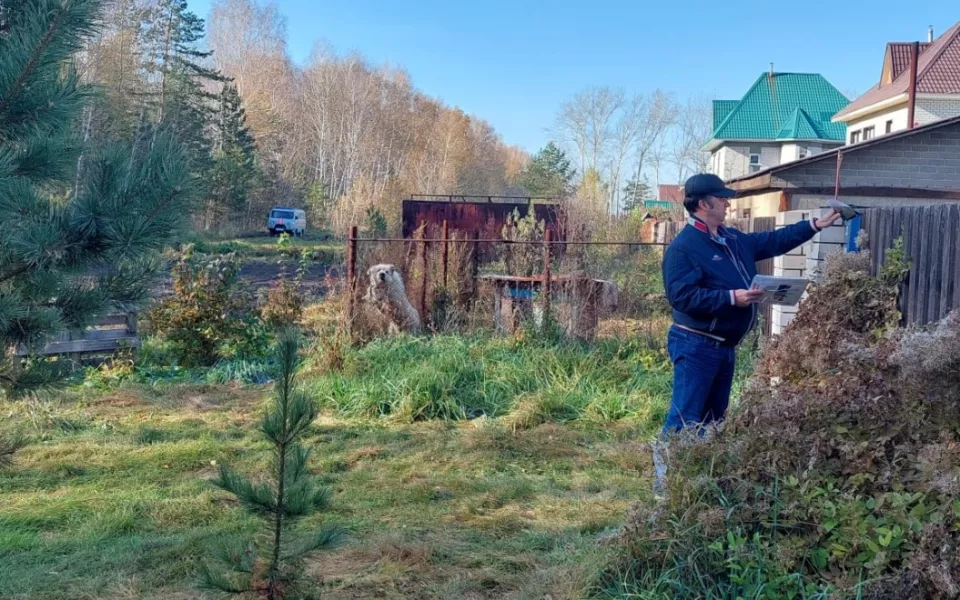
x=912, y=90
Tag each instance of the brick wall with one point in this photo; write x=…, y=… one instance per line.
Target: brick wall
x=929, y=160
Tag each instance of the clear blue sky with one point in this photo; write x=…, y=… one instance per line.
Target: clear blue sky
x=513, y=63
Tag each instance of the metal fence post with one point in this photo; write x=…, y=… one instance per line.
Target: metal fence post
x=546, y=275
x=425, y=265
x=351, y=273
x=446, y=250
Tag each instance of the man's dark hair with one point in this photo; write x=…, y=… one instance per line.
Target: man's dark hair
x=692, y=203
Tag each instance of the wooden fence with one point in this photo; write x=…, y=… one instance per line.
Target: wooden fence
x=931, y=241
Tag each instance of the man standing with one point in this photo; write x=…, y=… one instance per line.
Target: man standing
x=707, y=273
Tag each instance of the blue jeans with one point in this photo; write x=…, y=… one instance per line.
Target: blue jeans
x=702, y=378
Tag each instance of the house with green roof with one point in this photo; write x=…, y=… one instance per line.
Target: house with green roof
x=783, y=117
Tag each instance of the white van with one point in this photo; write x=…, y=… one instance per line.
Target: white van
x=287, y=220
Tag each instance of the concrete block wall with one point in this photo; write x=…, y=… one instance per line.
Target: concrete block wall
x=824, y=243
x=928, y=160
x=804, y=261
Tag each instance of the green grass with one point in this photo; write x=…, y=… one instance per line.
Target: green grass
x=120, y=508
x=319, y=246
x=454, y=377
x=463, y=467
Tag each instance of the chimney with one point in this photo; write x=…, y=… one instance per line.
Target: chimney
x=930, y=34
x=771, y=69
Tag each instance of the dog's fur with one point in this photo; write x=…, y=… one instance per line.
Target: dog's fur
x=386, y=292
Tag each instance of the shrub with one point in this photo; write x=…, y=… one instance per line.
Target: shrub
x=838, y=472
x=523, y=260
x=285, y=245
x=284, y=302
x=209, y=316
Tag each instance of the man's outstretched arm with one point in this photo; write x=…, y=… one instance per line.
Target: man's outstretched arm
x=768, y=244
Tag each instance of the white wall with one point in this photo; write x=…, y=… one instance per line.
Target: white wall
x=770, y=155
x=789, y=152
x=759, y=205
x=733, y=160
x=897, y=114
x=935, y=109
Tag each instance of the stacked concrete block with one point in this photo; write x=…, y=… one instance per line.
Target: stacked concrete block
x=781, y=317
x=794, y=263
x=831, y=240
x=805, y=261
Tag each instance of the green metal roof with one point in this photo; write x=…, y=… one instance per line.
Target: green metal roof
x=783, y=106
x=722, y=108
x=799, y=126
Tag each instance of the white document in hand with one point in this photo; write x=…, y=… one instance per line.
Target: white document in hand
x=783, y=291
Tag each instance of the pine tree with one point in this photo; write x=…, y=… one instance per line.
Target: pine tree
x=549, y=173
x=234, y=171
x=179, y=98
x=273, y=567
x=634, y=194
x=116, y=112
x=75, y=245
x=232, y=130
x=319, y=205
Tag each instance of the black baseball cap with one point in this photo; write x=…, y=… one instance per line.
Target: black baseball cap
x=707, y=184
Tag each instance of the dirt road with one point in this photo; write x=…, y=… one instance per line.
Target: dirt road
x=261, y=275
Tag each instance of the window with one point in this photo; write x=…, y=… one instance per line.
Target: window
x=889, y=126
x=802, y=153
x=869, y=133
x=754, y=159
x=854, y=136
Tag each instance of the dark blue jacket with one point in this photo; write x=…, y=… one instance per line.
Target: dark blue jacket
x=701, y=272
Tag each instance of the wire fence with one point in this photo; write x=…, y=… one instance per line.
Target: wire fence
x=457, y=282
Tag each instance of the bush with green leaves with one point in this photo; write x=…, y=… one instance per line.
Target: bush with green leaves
x=288, y=493
x=209, y=316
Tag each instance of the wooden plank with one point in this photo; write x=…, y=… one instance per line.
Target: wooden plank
x=886, y=230
x=911, y=224
x=872, y=225
x=954, y=249
x=899, y=231
x=921, y=292
x=903, y=231
x=105, y=334
x=84, y=346
x=934, y=220
x=115, y=319
x=919, y=295
x=948, y=257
